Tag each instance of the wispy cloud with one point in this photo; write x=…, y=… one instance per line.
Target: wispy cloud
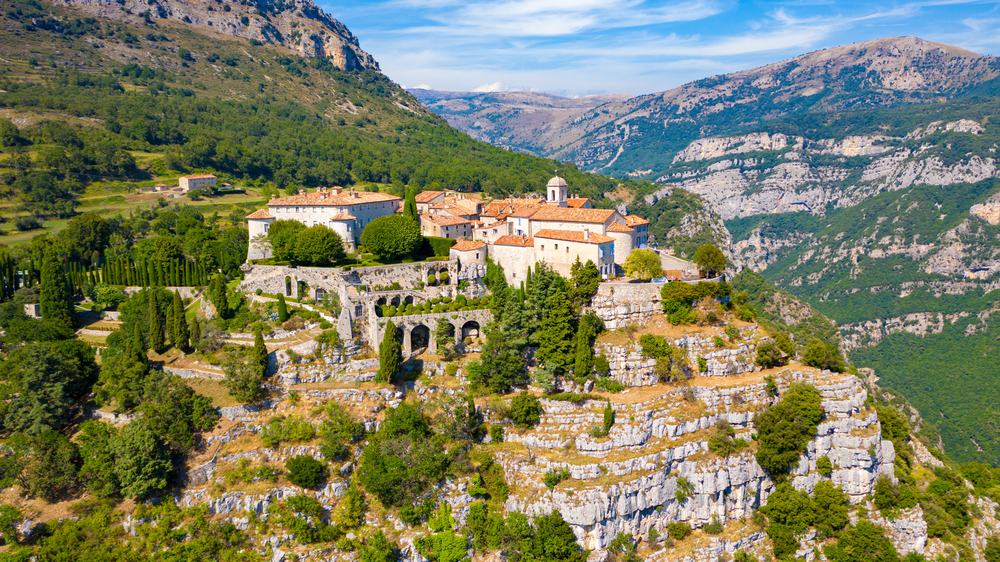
x=584, y=47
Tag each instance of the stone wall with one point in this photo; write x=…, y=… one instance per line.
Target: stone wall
x=621, y=304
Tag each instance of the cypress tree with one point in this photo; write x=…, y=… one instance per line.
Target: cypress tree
x=584, y=364
x=179, y=335
x=161, y=280
x=282, y=309
x=410, y=206
x=195, y=332
x=220, y=298
x=555, y=332
x=55, y=296
x=260, y=351
x=390, y=354
x=156, y=328
x=527, y=284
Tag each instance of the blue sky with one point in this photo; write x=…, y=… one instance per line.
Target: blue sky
x=585, y=47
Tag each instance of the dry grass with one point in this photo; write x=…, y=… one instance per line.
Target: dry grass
x=213, y=390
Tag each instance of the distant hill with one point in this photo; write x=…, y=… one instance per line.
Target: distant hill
x=524, y=121
x=641, y=135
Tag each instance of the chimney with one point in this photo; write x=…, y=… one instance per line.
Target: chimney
x=302, y=192
x=273, y=197
x=586, y=234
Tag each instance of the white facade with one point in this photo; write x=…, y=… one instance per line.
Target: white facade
x=345, y=212
x=187, y=183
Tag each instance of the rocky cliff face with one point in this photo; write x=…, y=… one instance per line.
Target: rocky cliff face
x=299, y=25
x=629, y=481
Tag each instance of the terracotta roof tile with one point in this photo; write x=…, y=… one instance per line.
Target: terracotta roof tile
x=331, y=199
x=260, y=214
x=343, y=217
x=573, y=236
x=524, y=212
x=199, y=177
x=467, y=245
x=494, y=208
x=577, y=202
x=635, y=220
x=563, y=214
x=618, y=227
x=444, y=221
x=514, y=240
x=427, y=196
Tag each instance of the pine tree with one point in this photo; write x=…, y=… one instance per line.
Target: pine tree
x=584, y=364
x=260, y=351
x=156, y=340
x=555, y=332
x=55, y=296
x=195, y=332
x=390, y=354
x=179, y=335
x=282, y=308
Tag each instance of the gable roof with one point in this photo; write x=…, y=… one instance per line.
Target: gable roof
x=564, y=214
x=573, y=236
x=427, y=196
x=577, y=202
x=514, y=240
x=619, y=227
x=635, y=220
x=441, y=220
x=331, y=199
x=260, y=214
x=467, y=245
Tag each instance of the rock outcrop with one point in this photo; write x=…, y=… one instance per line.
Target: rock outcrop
x=299, y=25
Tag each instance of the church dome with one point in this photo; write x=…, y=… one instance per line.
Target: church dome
x=556, y=181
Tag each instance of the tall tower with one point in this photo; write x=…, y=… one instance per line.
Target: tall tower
x=556, y=191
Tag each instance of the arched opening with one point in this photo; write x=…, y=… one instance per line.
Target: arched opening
x=381, y=301
x=320, y=295
x=445, y=333
x=408, y=299
x=443, y=276
x=288, y=286
x=302, y=290
x=470, y=330
x=420, y=337
x=394, y=301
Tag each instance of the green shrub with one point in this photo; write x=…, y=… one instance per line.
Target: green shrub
x=305, y=471
x=715, y=527
x=293, y=429
x=685, y=489
x=783, y=430
x=258, y=292
x=444, y=277
x=553, y=477
x=432, y=280
x=678, y=530
x=497, y=433
x=525, y=410
x=824, y=466
x=451, y=369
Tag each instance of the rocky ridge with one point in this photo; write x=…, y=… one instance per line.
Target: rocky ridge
x=299, y=25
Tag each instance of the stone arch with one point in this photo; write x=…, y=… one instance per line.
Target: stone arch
x=420, y=337
x=470, y=329
x=394, y=301
x=447, y=276
x=288, y=286
x=381, y=301
x=319, y=295
x=408, y=299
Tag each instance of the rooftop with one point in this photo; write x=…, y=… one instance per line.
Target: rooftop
x=199, y=177
x=574, y=236
x=553, y=213
x=635, y=220
x=467, y=245
x=427, y=196
x=618, y=227
x=577, y=202
x=443, y=220
x=332, y=198
x=514, y=240
x=260, y=214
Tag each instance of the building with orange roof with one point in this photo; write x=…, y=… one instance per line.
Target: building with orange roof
x=187, y=183
x=346, y=212
x=444, y=226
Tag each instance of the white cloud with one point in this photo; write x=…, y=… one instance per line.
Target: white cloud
x=494, y=87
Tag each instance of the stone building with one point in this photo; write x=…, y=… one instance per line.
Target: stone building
x=345, y=212
x=445, y=227
x=187, y=183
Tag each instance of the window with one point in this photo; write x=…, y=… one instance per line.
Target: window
x=296, y=209
x=567, y=249
x=477, y=253
x=557, y=246
x=267, y=225
x=543, y=247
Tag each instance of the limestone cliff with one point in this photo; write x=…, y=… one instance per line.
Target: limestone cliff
x=299, y=25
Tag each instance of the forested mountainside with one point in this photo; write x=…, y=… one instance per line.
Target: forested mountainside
x=640, y=136
x=887, y=222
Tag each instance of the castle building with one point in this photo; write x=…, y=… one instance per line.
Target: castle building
x=345, y=212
